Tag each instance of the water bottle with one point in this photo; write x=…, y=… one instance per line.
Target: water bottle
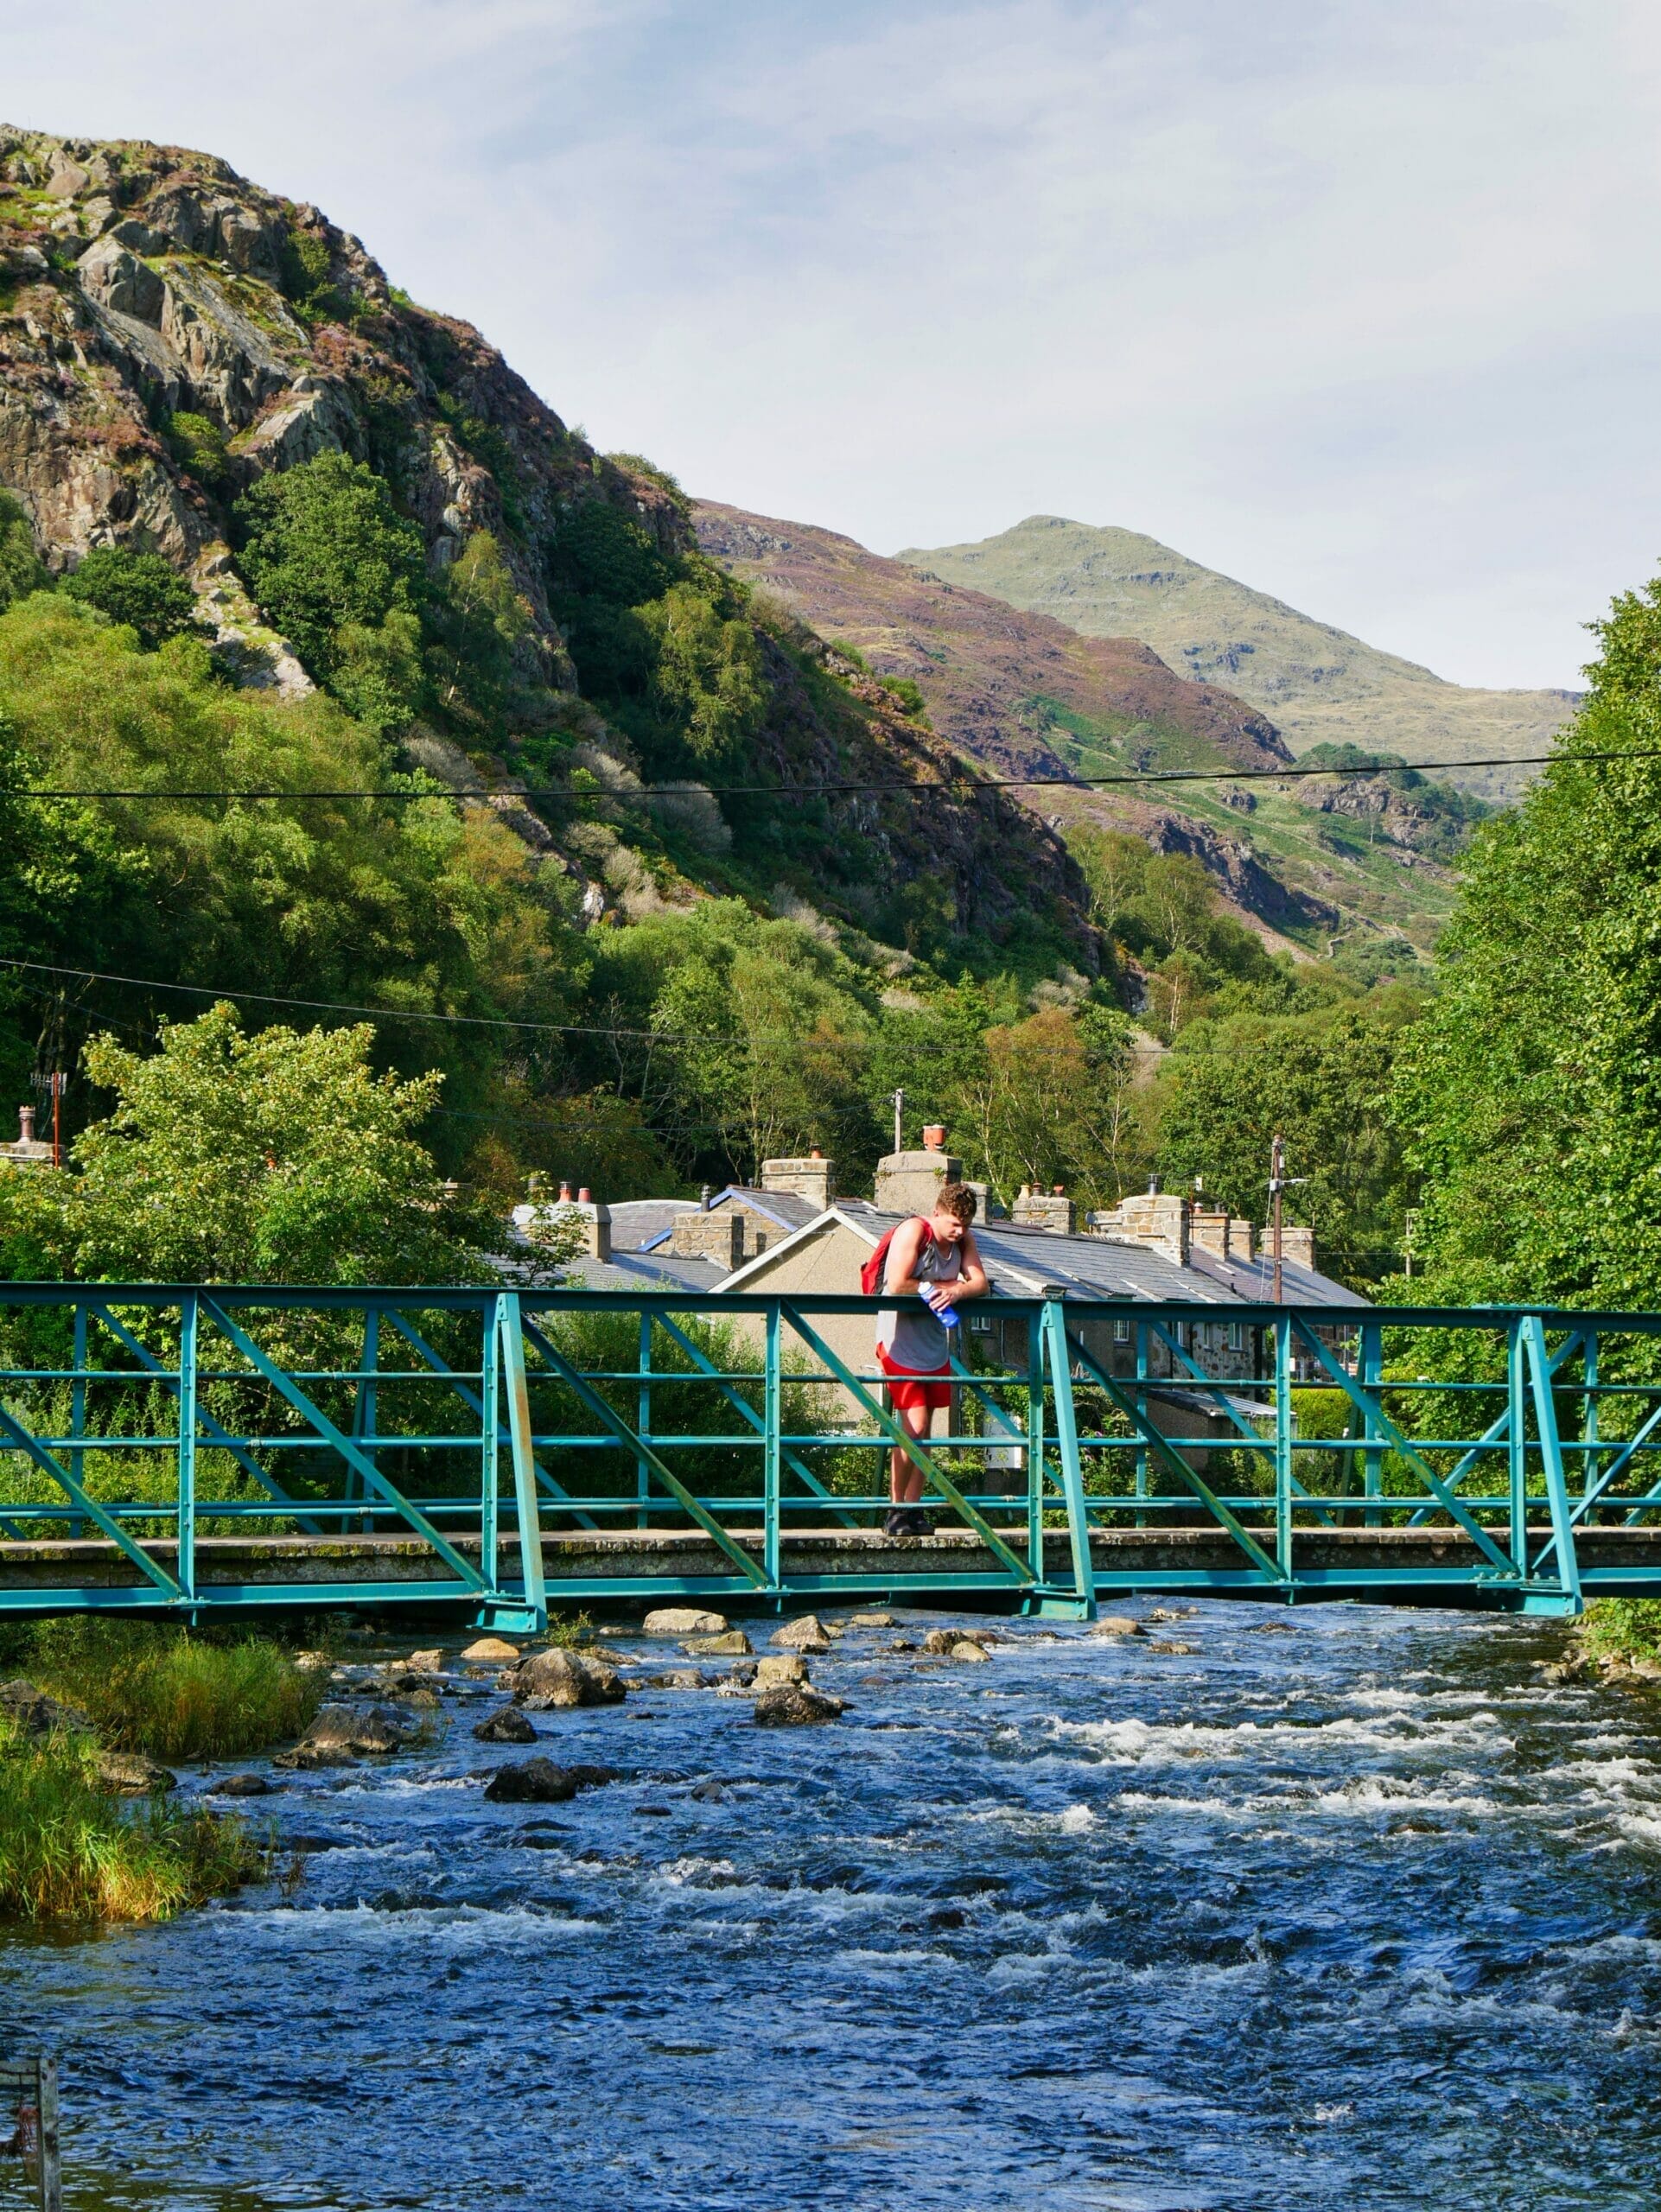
x=945, y=1315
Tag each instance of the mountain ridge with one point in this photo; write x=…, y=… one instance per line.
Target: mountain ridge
x=1319, y=683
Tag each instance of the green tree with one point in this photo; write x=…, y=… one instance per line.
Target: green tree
x=22, y=570
x=141, y=589
x=279, y=1157
x=198, y=443
x=1531, y=1094
x=325, y=552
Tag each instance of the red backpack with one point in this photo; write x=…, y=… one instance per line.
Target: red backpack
x=870, y=1275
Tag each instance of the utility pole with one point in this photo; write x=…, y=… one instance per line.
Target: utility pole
x=899, y=1111
x=1277, y=1185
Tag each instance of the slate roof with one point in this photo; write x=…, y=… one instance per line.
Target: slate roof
x=639, y=1224
x=783, y=1208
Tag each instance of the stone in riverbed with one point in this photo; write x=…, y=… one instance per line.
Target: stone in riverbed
x=242, y=1785
x=508, y=1726
x=426, y=1663
x=967, y=1652
x=36, y=1713
x=870, y=1620
x=795, y=1705
x=780, y=1667
x=531, y=1782
x=684, y=1620
x=806, y=1634
x=737, y=1679
x=678, y=1678
x=314, y=1662
x=342, y=1733
x=732, y=1643
x=1117, y=1624
x=130, y=1774
x=493, y=1650
x=942, y=1643
x=565, y=1678
x=1173, y=1650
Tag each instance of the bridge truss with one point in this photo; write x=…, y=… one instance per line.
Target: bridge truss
x=202, y=1452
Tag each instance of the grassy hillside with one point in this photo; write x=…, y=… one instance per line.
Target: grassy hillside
x=1318, y=685
x=1022, y=694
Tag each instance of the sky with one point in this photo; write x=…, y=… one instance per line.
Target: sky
x=1355, y=300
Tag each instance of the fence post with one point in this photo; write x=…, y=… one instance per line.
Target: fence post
x=1284, y=1420
x=1035, y=1447
x=188, y=1317
x=1517, y=1448
x=1066, y=1445
x=643, y=1423
x=78, y=1410
x=51, y=2167
x=772, y=1409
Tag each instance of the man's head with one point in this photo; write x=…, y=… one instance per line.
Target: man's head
x=954, y=1209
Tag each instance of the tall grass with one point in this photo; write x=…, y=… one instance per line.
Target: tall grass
x=68, y=1850
x=172, y=1694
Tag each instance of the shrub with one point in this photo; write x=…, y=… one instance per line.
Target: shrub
x=324, y=550
x=68, y=1850
x=140, y=589
x=170, y=1693
x=21, y=570
x=197, y=443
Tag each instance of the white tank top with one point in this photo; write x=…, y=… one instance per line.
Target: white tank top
x=910, y=1335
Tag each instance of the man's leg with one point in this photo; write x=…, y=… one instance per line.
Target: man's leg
x=905, y=1476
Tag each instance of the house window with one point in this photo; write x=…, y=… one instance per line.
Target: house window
x=1237, y=1336
x=1183, y=1332
x=1121, y=1329
x=981, y=1324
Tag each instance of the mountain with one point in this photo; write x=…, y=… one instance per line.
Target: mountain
x=1318, y=684
x=1021, y=693
x=175, y=341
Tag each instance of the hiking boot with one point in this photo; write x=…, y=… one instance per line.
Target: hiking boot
x=917, y=1523
x=898, y=1524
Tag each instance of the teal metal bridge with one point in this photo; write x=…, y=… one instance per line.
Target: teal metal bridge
x=204, y=1452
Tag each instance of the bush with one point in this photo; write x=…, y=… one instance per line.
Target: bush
x=21, y=570
x=324, y=551
x=1625, y=1628
x=198, y=443
x=68, y=1850
x=140, y=589
x=170, y=1693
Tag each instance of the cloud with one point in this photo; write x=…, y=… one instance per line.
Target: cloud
x=1355, y=303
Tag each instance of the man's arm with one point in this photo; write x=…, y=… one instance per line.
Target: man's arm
x=898, y=1280
x=972, y=1282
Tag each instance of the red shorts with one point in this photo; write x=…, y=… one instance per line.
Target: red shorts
x=930, y=1387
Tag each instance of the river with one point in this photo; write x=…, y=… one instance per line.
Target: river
x=1344, y=1908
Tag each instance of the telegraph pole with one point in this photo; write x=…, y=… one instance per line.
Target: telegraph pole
x=899, y=1111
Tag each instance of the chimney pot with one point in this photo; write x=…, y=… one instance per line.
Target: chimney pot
x=814, y=1153
x=706, y=1191
x=934, y=1137
x=25, y=1125
x=1060, y=1190
x=1154, y=1186
x=585, y=1196
x=564, y=1192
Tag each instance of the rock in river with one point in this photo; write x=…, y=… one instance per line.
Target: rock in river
x=36, y=1713
x=682, y=1620
x=945, y=1643
x=492, y=1650
x=566, y=1679
x=780, y=1667
x=130, y=1774
x=531, y=1782
x=508, y=1726
x=806, y=1634
x=795, y=1705
x=733, y=1644
x=342, y=1732
x=242, y=1785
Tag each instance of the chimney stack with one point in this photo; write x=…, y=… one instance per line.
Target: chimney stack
x=1298, y=1247
x=910, y=1182
x=813, y=1178
x=709, y=1233
x=1051, y=1210
x=1208, y=1228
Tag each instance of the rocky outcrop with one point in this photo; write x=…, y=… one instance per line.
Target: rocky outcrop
x=1237, y=867
x=35, y=1713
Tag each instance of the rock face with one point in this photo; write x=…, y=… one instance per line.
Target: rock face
x=566, y=1679
x=684, y=1620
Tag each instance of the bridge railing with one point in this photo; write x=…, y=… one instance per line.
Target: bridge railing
x=196, y=1449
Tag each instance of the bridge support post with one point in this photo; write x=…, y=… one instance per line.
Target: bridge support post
x=508, y=1382
x=1035, y=1448
x=188, y=1317
x=1517, y=1451
x=77, y=1406
x=1285, y=1424
x=772, y=1407
x=1373, y=1459
x=1073, y=1473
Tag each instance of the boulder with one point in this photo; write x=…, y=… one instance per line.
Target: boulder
x=870, y=1620
x=36, y=1713
x=565, y=1678
x=594, y=1777
x=531, y=1782
x=684, y=1620
x=732, y=1644
x=942, y=1643
x=795, y=1705
x=492, y=1650
x=806, y=1634
x=341, y=1733
x=508, y=1726
x=130, y=1774
x=780, y=1667
x=243, y=1785
x=1117, y=1624
x=314, y=1662
x=968, y=1652
x=426, y=1663
x=678, y=1678
x=1172, y=1650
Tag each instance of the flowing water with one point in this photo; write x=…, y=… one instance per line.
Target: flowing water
x=1344, y=1909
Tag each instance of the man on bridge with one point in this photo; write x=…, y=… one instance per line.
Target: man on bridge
x=933, y=1262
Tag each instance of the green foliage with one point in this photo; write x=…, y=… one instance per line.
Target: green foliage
x=1324, y=1085
x=1623, y=1628
x=377, y=675
x=1162, y=909
x=198, y=443
x=909, y=694
x=1531, y=1093
x=169, y=1692
x=305, y=274
x=476, y=624
x=325, y=552
x=141, y=589
x=706, y=674
x=488, y=446
x=22, y=570
x=70, y=1851
x=278, y=1157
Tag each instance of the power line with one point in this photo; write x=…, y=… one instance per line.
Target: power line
x=968, y=779
x=841, y=1043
